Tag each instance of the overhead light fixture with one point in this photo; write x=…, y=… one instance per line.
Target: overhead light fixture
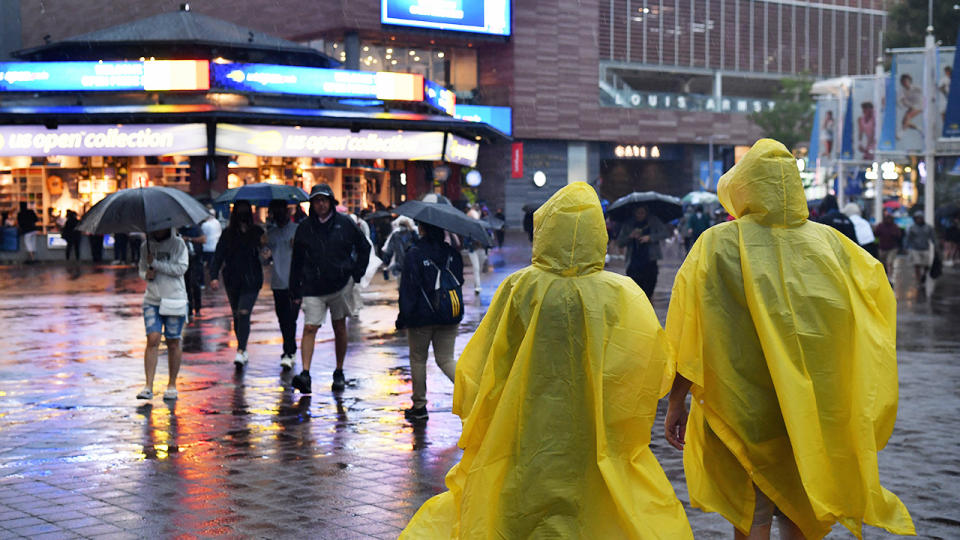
x=440, y=54
x=413, y=53
x=539, y=179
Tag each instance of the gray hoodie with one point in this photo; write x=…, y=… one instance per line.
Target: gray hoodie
x=170, y=260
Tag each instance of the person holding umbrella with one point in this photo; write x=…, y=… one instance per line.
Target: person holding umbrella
x=280, y=232
x=164, y=305
x=238, y=254
x=641, y=236
x=330, y=254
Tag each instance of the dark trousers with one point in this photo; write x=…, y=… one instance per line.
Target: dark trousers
x=120, y=247
x=207, y=258
x=96, y=247
x=241, y=304
x=135, y=249
x=645, y=275
x=287, y=313
x=193, y=279
x=73, y=245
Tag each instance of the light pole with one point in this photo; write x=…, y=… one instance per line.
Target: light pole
x=929, y=110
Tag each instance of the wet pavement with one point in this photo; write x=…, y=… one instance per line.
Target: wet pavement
x=245, y=456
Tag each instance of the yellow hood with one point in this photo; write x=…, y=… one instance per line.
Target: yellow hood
x=569, y=233
x=765, y=185
x=558, y=391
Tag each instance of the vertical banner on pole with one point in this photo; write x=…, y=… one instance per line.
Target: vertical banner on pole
x=516, y=160
x=888, y=133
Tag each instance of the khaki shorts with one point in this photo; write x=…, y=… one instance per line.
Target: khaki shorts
x=339, y=303
x=919, y=257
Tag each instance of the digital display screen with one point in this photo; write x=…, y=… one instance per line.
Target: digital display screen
x=309, y=81
x=439, y=97
x=500, y=118
x=479, y=16
x=154, y=75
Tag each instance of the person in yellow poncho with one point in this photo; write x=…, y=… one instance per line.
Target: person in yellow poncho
x=786, y=331
x=557, y=391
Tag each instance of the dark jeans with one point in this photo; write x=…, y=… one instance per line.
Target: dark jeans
x=241, y=304
x=193, y=279
x=96, y=247
x=645, y=275
x=120, y=247
x=73, y=245
x=207, y=263
x=135, y=244
x=287, y=313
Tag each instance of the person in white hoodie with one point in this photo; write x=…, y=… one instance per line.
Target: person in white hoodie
x=862, y=227
x=164, y=305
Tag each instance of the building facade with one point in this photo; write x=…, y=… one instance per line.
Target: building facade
x=632, y=95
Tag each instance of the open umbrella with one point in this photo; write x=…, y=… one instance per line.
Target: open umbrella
x=665, y=207
x=446, y=217
x=379, y=214
x=143, y=210
x=435, y=198
x=699, y=197
x=491, y=222
x=262, y=193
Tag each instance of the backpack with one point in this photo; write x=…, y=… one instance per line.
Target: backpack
x=446, y=298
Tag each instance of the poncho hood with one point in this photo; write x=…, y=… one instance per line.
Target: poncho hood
x=765, y=185
x=569, y=233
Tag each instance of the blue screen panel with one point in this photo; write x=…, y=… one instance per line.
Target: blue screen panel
x=480, y=16
x=497, y=117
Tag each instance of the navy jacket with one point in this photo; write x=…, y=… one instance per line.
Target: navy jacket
x=418, y=277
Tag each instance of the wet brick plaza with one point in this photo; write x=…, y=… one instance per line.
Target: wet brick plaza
x=244, y=456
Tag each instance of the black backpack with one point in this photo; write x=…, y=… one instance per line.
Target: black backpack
x=446, y=297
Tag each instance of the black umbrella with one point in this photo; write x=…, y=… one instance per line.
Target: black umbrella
x=143, y=210
x=491, y=222
x=665, y=207
x=262, y=193
x=379, y=214
x=446, y=217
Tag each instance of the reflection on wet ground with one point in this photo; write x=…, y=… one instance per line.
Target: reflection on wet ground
x=243, y=455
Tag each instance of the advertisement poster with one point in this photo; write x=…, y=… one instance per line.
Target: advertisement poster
x=909, y=102
x=863, y=133
x=951, y=87
x=828, y=111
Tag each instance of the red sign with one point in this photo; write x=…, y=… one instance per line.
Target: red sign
x=516, y=160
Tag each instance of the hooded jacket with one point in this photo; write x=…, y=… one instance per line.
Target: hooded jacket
x=326, y=255
x=557, y=391
x=170, y=261
x=787, y=331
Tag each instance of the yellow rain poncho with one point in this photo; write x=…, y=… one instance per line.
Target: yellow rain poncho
x=787, y=331
x=557, y=391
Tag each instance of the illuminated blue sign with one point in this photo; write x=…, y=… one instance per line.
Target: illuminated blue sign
x=439, y=97
x=153, y=75
x=497, y=117
x=480, y=16
x=309, y=81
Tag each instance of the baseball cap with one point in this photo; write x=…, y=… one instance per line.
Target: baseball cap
x=323, y=190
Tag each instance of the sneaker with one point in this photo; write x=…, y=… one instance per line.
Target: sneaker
x=240, y=361
x=301, y=382
x=286, y=362
x=339, y=383
x=415, y=414
x=170, y=393
x=146, y=393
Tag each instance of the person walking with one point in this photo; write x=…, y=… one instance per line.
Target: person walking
x=330, y=254
x=431, y=308
x=193, y=279
x=862, y=229
x=888, y=235
x=238, y=254
x=921, y=243
x=280, y=233
x=71, y=235
x=786, y=334
x=557, y=391
x=500, y=233
x=641, y=236
x=696, y=224
x=828, y=213
x=395, y=248
x=164, y=306
x=27, y=223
